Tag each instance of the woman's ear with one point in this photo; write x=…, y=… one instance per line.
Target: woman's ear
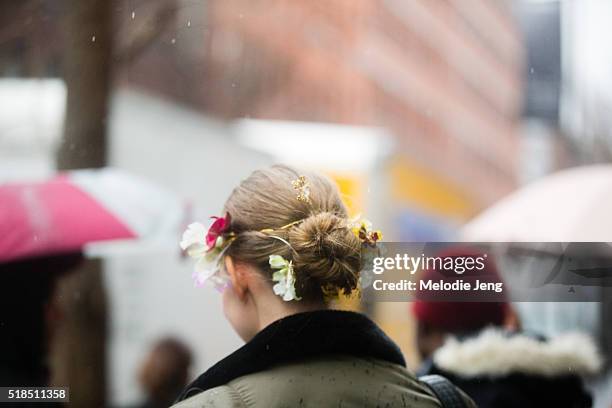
x=237, y=276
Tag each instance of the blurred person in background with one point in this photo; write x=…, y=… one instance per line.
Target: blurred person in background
x=164, y=372
x=29, y=317
x=480, y=348
x=283, y=249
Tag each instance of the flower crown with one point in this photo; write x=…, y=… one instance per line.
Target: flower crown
x=208, y=247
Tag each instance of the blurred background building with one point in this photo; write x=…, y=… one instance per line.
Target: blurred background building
x=443, y=77
x=424, y=112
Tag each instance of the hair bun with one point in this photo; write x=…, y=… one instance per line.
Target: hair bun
x=328, y=253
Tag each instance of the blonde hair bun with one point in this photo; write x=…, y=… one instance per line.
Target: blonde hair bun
x=327, y=252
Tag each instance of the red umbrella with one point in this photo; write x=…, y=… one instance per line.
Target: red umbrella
x=75, y=208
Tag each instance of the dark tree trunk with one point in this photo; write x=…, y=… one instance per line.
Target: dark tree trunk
x=78, y=354
x=87, y=72
x=78, y=349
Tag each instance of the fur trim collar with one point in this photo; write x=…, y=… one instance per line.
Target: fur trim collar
x=298, y=337
x=495, y=353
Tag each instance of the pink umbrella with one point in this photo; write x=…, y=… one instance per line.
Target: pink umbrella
x=572, y=205
x=63, y=214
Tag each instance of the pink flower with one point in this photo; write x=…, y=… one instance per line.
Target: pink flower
x=218, y=227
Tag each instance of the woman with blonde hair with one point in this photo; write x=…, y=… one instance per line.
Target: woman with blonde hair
x=282, y=250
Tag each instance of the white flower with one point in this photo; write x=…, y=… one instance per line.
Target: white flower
x=277, y=262
x=194, y=240
x=285, y=276
x=207, y=266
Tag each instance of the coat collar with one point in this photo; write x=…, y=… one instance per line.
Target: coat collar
x=297, y=337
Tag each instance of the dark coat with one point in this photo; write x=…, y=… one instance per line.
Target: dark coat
x=501, y=370
x=314, y=359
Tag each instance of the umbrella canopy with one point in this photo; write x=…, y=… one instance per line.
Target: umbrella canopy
x=63, y=214
x=569, y=206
